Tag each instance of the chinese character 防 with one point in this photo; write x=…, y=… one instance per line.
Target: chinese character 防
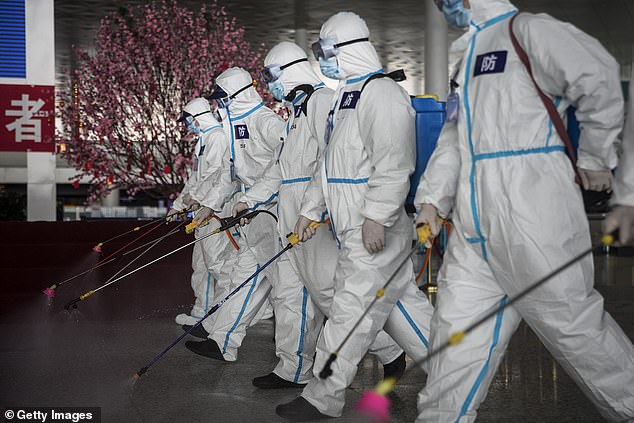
x=488, y=63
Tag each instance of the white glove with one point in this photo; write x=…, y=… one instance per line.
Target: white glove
x=621, y=218
x=427, y=215
x=303, y=229
x=203, y=214
x=596, y=180
x=189, y=201
x=373, y=235
x=172, y=215
x=239, y=207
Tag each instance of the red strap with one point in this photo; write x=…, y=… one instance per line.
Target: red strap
x=548, y=103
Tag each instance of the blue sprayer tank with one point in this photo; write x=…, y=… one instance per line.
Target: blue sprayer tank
x=430, y=117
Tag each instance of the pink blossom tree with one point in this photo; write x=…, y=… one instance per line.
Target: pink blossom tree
x=119, y=110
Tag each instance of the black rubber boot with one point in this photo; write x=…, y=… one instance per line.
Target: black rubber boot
x=207, y=348
x=198, y=332
x=300, y=410
x=273, y=381
x=396, y=368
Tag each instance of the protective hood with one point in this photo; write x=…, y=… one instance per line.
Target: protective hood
x=356, y=59
x=485, y=10
x=297, y=74
x=461, y=44
x=200, y=110
x=199, y=106
x=231, y=81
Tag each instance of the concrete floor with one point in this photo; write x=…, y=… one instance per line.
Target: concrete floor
x=50, y=357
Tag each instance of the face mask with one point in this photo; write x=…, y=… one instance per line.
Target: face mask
x=192, y=127
x=456, y=14
x=277, y=90
x=330, y=68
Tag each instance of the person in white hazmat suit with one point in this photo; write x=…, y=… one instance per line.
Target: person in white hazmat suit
x=518, y=213
x=303, y=292
x=213, y=255
x=363, y=180
x=622, y=217
x=255, y=133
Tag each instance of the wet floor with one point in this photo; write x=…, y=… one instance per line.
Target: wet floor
x=65, y=359
x=50, y=357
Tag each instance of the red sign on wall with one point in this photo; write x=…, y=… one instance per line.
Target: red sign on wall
x=27, y=118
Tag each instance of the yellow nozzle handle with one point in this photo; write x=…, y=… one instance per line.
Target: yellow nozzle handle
x=193, y=225
x=189, y=228
x=424, y=231
x=86, y=295
x=385, y=386
x=607, y=240
x=455, y=338
x=293, y=238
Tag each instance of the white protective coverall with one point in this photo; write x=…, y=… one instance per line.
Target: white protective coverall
x=255, y=134
x=518, y=214
x=624, y=186
x=305, y=285
x=214, y=255
x=623, y=214
x=364, y=174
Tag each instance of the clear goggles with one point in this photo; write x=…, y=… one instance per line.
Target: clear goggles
x=327, y=48
x=218, y=93
x=188, y=118
x=272, y=73
x=223, y=99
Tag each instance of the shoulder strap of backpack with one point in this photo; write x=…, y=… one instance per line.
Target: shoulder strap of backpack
x=304, y=105
x=548, y=103
x=397, y=75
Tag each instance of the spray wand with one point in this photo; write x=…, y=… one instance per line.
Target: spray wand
x=226, y=223
x=97, y=247
x=50, y=291
x=293, y=240
x=424, y=235
x=375, y=403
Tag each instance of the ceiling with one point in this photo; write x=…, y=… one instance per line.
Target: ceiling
x=396, y=27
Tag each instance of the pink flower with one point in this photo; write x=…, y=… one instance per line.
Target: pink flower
x=118, y=107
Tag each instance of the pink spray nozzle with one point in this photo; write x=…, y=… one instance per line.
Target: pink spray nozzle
x=375, y=406
x=49, y=292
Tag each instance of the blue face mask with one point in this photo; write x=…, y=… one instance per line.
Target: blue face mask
x=276, y=88
x=190, y=123
x=330, y=68
x=456, y=14
x=192, y=127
